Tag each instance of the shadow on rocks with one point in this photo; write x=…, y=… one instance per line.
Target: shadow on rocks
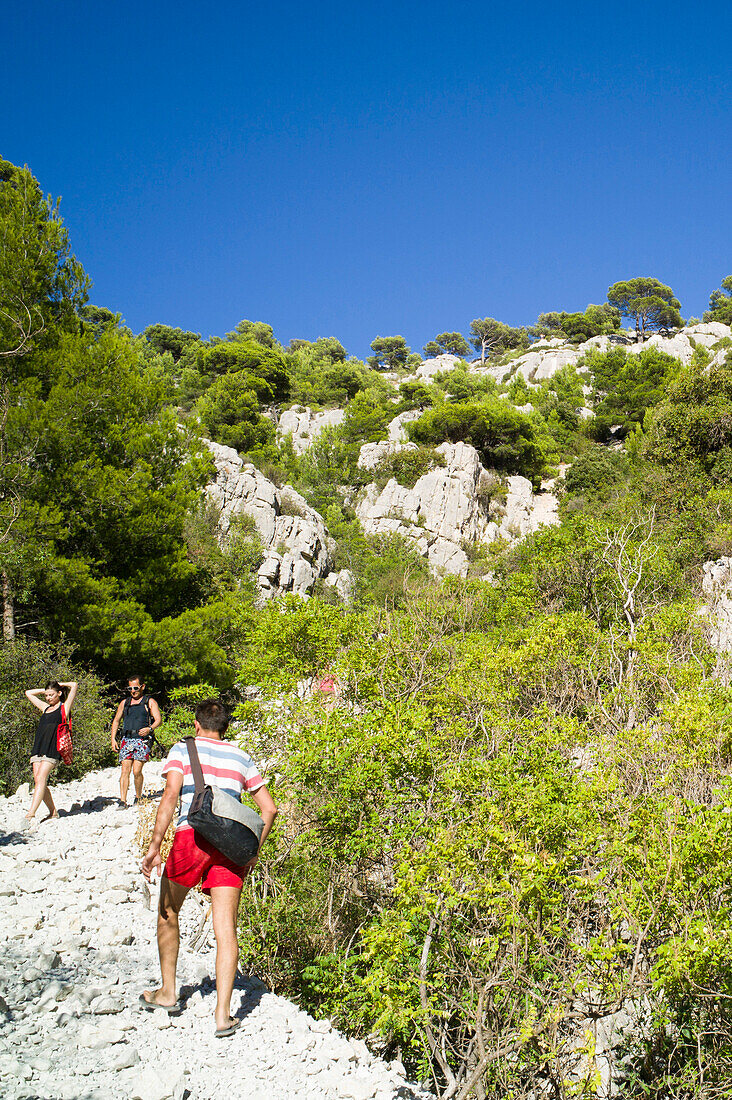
x=14, y=838
x=91, y=806
x=252, y=990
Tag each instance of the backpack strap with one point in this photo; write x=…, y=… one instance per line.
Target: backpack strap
x=196, y=768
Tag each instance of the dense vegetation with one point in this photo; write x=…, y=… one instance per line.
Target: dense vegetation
x=513, y=828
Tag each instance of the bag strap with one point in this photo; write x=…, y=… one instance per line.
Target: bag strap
x=196, y=768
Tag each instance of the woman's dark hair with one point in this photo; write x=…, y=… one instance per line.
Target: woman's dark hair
x=212, y=715
x=57, y=687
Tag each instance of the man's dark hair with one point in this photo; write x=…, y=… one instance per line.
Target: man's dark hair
x=212, y=715
x=136, y=677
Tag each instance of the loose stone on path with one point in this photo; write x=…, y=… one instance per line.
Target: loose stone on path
x=77, y=947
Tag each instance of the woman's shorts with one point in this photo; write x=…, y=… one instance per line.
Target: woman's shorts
x=192, y=860
x=134, y=748
x=48, y=759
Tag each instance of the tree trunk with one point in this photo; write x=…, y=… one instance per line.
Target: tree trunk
x=8, y=610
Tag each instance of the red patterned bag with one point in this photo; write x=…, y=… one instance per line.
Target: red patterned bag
x=63, y=737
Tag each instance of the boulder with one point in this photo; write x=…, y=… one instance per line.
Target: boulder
x=305, y=424
x=397, y=434
x=293, y=534
x=371, y=454
x=344, y=583
x=453, y=506
x=428, y=368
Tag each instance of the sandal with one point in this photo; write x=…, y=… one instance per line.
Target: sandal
x=153, y=1006
x=225, y=1032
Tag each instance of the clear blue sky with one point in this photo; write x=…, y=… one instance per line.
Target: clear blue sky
x=363, y=169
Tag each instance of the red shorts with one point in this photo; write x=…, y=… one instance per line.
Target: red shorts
x=192, y=860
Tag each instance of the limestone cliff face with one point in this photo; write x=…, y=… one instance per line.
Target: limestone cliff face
x=717, y=588
x=451, y=507
x=294, y=535
x=305, y=425
x=448, y=510
x=546, y=357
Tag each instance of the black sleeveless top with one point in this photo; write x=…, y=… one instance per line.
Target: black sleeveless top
x=45, y=743
x=135, y=716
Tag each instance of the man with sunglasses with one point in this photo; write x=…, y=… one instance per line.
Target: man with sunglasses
x=139, y=716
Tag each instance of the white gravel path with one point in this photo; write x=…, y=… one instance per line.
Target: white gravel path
x=77, y=946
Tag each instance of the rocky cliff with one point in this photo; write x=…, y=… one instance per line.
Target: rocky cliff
x=448, y=511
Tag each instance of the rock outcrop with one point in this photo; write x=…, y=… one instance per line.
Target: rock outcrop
x=428, y=368
x=305, y=425
x=397, y=431
x=717, y=587
x=452, y=508
x=293, y=534
x=546, y=357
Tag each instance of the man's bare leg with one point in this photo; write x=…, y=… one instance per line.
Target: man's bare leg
x=225, y=906
x=171, y=899
x=124, y=778
x=137, y=777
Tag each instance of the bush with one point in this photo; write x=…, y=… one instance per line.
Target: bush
x=406, y=467
x=505, y=438
x=593, y=473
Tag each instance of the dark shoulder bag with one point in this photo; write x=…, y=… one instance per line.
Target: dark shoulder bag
x=233, y=829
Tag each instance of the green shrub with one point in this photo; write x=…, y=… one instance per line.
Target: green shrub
x=505, y=438
x=593, y=473
x=406, y=467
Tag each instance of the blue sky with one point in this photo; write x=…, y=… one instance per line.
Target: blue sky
x=367, y=169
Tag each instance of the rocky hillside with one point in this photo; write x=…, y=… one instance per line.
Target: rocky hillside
x=451, y=512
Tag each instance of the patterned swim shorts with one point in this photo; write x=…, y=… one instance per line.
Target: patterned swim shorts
x=134, y=748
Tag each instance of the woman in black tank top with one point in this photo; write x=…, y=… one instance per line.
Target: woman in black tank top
x=45, y=755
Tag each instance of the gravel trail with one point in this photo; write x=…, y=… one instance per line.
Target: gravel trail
x=77, y=946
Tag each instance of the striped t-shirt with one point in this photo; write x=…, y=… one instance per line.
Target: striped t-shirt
x=224, y=766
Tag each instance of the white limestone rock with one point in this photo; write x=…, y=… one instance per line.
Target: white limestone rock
x=428, y=368
x=717, y=587
x=305, y=424
x=344, y=583
x=150, y=1085
x=546, y=357
x=452, y=506
x=396, y=429
x=371, y=454
x=294, y=535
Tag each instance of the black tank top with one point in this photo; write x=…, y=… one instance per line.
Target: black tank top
x=45, y=743
x=134, y=717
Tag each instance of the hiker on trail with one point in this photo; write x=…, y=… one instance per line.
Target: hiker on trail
x=193, y=860
x=55, y=702
x=139, y=716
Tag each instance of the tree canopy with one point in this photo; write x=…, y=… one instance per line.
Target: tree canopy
x=42, y=285
x=649, y=303
x=595, y=321
x=720, y=303
x=447, y=343
x=390, y=352
x=491, y=337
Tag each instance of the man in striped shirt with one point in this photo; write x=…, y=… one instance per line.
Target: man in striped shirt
x=192, y=860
